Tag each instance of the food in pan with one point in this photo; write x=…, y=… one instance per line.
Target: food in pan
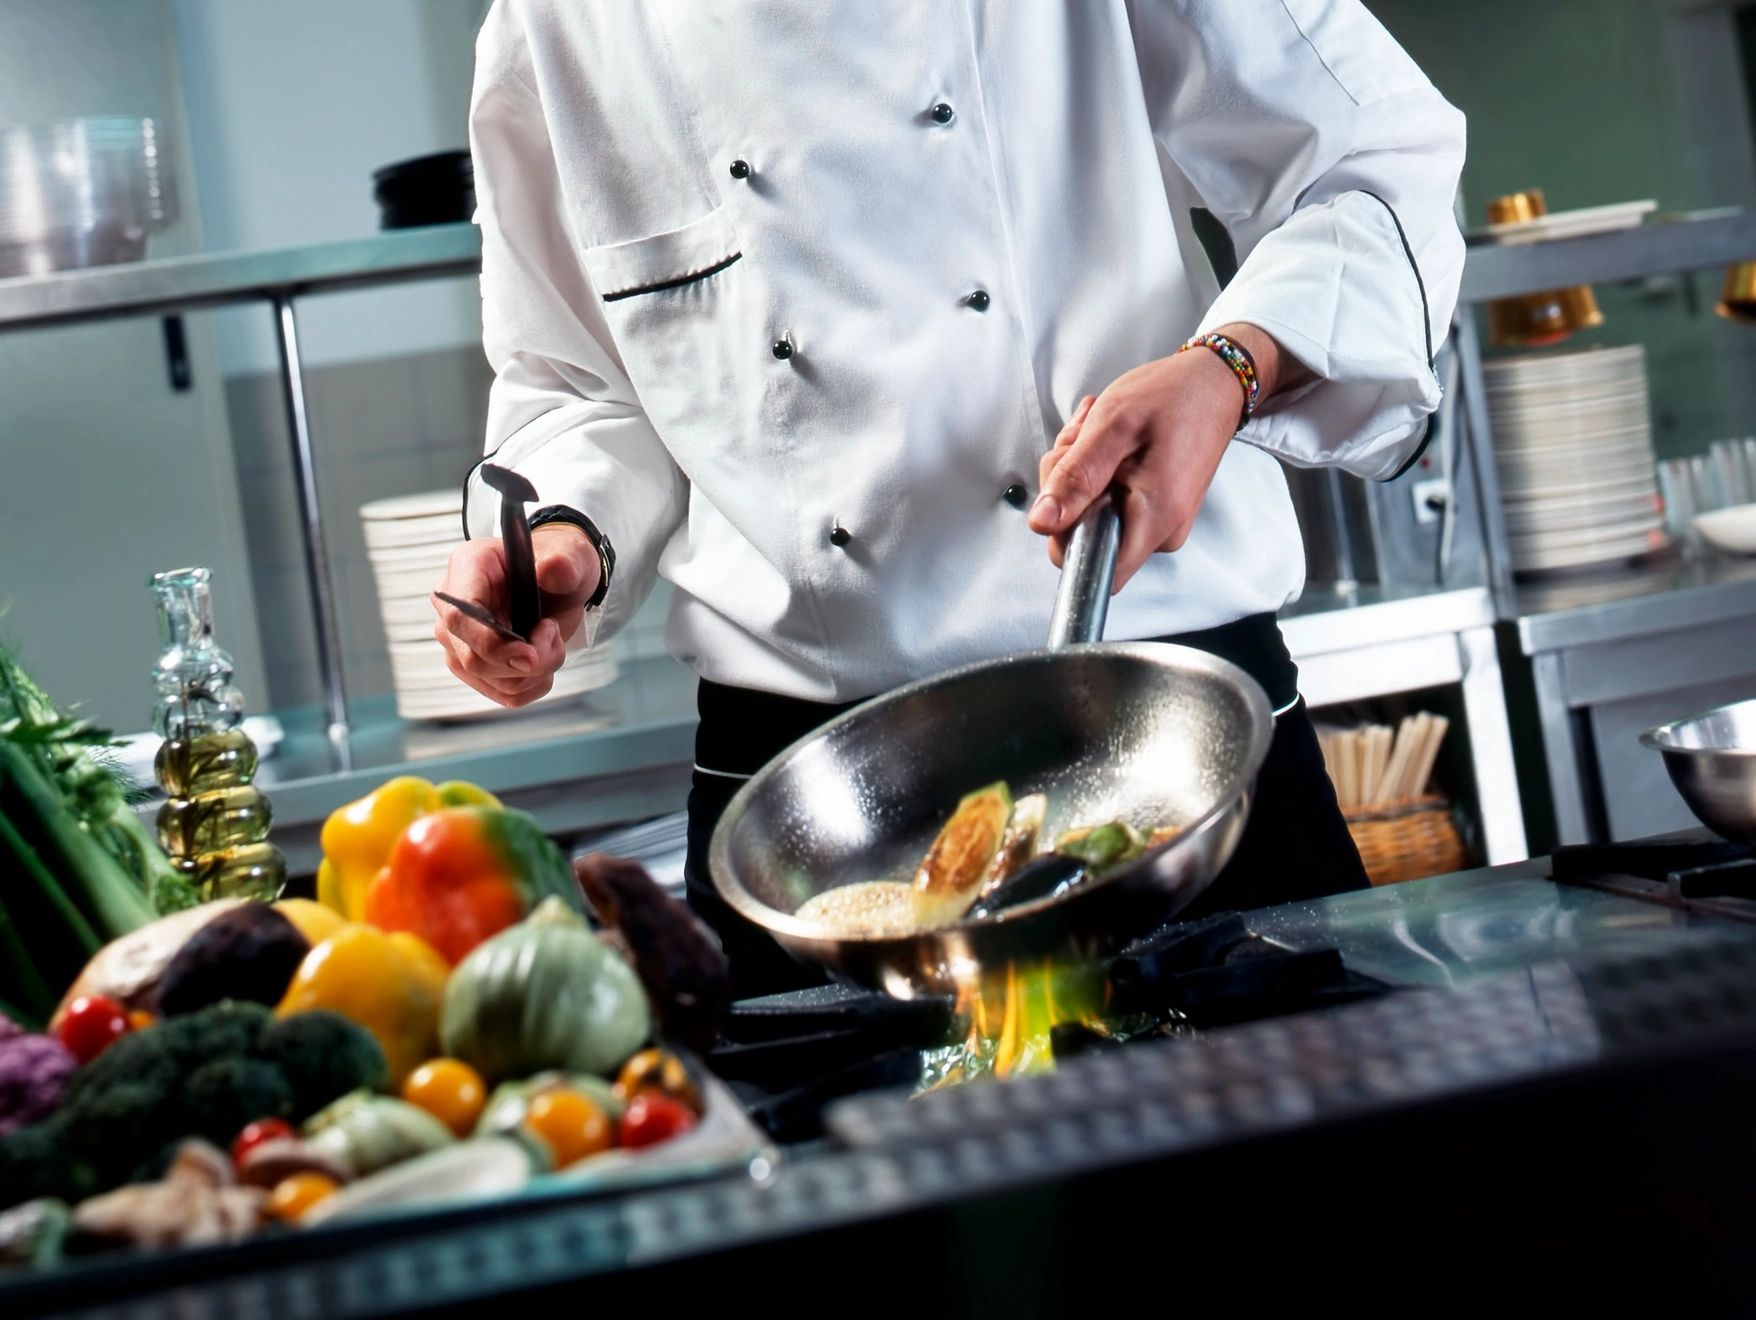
x=987, y=858
x=873, y=909
x=962, y=855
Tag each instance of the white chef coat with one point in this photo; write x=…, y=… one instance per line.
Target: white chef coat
x=636, y=283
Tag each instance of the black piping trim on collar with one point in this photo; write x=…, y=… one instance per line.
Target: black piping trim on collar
x=1426, y=328
x=677, y=283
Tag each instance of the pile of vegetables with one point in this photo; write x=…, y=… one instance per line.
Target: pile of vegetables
x=77, y=867
x=444, y=1019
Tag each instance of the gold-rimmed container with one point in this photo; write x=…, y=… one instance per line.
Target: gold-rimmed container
x=1737, y=300
x=1536, y=320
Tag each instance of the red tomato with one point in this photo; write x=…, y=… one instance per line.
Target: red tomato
x=652, y=1118
x=254, y=1134
x=92, y=1023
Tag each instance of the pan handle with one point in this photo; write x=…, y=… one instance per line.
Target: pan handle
x=1083, y=599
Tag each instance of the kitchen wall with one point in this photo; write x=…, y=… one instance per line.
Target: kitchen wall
x=292, y=109
x=1599, y=101
x=107, y=471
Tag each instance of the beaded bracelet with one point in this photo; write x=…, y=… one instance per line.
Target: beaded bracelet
x=1243, y=366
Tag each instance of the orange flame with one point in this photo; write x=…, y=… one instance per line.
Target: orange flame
x=1011, y=1013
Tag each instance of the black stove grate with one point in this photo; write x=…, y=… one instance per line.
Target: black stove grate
x=1712, y=877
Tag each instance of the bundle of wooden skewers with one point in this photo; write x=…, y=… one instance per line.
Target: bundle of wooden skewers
x=1382, y=777
x=1375, y=766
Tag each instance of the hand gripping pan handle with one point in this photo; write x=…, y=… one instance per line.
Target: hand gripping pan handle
x=1082, y=601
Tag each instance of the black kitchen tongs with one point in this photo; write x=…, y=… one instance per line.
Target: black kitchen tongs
x=524, y=602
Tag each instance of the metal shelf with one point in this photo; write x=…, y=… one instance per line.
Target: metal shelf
x=1504, y=271
x=181, y=284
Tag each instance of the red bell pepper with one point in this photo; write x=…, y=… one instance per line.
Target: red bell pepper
x=461, y=874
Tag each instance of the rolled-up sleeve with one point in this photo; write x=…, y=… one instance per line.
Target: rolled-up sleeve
x=1333, y=163
x=561, y=410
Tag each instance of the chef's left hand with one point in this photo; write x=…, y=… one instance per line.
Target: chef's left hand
x=1155, y=437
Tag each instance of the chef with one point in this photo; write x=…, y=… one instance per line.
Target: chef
x=837, y=316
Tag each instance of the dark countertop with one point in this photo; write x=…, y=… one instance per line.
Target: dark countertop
x=1589, y=1051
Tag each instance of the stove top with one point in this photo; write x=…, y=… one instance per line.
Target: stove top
x=1706, y=877
x=789, y=1056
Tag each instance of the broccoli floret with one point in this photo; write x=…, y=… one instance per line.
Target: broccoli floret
x=38, y=1161
x=164, y=1054
x=222, y=1096
x=324, y=1056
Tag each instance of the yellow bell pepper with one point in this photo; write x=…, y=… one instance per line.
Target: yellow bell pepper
x=389, y=983
x=357, y=838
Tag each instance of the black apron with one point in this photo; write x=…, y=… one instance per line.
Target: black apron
x=1295, y=846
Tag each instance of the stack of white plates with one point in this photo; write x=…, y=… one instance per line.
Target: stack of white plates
x=1573, y=445
x=408, y=539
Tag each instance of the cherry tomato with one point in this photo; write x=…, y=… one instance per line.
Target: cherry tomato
x=652, y=1118
x=450, y=1090
x=570, y=1124
x=660, y=1071
x=92, y=1023
x=254, y=1134
x=294, y=1195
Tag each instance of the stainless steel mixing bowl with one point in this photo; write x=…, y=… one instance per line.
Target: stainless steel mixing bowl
x=1712, y=761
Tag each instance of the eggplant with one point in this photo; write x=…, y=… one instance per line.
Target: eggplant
x=1047, y=877
x=1019, y=844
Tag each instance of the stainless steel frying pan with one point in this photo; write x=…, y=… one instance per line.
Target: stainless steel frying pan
x=1144, y=732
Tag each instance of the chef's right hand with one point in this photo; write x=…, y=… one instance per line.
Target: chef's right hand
x=516, y=673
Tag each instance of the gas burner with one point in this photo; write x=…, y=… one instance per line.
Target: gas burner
x=787, y=1056
x=1712, y=877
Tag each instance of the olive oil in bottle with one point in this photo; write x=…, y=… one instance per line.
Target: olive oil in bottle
x=214, y=822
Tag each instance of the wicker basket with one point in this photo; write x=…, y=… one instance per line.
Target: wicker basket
x=1407, y=840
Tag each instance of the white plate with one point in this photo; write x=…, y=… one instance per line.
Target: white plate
x=427, y=505
x=1627, y=438
x=1611, y=487
x=1572, y=224
x=1563, y=515
x=1732, y=530
x=1579, y=536
x=1596, y=360
x=1547, y=560
x=1540, y=474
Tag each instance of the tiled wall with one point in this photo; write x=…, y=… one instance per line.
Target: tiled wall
x=391, y=426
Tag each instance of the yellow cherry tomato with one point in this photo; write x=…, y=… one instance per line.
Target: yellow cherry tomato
x=571, y=1125
x=450, y=1090
x=295, y=1194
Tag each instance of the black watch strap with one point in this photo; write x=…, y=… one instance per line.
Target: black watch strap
x=561, y=513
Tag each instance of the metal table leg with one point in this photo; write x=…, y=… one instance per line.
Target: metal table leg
x=1481, y=459
x=1567, y=768
x=329, y=668
x=1490, y=746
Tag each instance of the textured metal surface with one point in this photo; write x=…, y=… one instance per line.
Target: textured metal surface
x=1712, y=761
x=1106, y=1111
x=1142, y=732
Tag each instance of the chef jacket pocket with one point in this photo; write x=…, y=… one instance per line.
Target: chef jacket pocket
x=660, y=263
x=1359, y=54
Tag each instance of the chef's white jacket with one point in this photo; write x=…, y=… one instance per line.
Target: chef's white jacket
x=734, y=259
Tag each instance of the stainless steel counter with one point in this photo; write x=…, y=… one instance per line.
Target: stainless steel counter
x=1609, y=655
x=1660, y=597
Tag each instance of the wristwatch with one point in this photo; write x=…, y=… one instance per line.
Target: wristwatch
x=561, y=513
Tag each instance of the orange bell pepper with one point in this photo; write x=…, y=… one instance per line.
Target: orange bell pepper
x=461, y=874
